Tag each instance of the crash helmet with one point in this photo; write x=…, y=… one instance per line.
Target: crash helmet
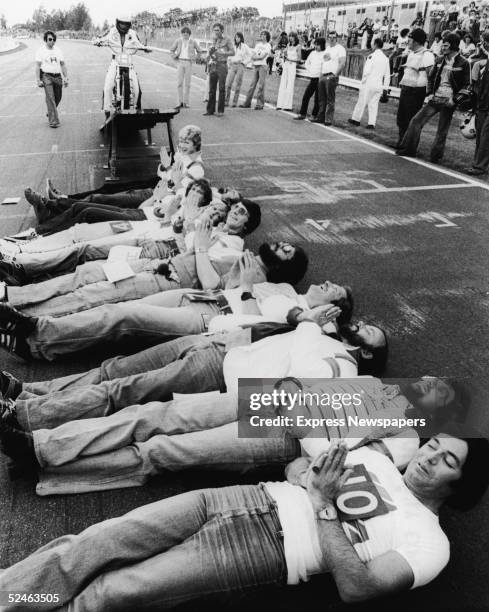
x=467, y=127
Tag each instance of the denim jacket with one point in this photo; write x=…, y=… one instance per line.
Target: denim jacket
x=459, y=74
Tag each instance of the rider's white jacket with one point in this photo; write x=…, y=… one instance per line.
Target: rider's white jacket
x=113, y=39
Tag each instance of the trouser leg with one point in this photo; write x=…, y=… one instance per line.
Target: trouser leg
x=197, y=371
x=260, y=92
x=331, y=83
x=444, y=121
x=153, y=358
x=109, y=87
x=48, y=82
x=180, y=79
x=410, y=142
x=251, y=90
x=373, y=105
x=308, y=93
x=481, y=158
x=360, y=105
x=213, y=80
x=132, y=464
x=222, y=72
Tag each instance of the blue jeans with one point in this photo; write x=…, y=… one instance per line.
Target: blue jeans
x=87, y=288
x=410, y=142
x=259, y=76
x=327, y=97
x=217, y=77
x=235, y=71
x=199, y=543
x=127, y=448
x=180, y=366
x=53, y=90
x=122, y=323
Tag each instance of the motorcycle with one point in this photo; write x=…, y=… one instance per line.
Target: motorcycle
x=122, y=82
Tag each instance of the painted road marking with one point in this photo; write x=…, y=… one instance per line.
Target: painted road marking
x=383, y=221
x=270, y=142
x=329, y=194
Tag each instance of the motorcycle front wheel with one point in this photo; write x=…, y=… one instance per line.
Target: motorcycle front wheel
x=125, y=90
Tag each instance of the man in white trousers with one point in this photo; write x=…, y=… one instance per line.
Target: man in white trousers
x=376, y=77
x=184, y=51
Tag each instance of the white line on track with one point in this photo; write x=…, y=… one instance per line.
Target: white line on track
x=271, y=142
x=340, y=192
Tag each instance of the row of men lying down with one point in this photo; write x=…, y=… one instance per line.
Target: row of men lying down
x=124, y=421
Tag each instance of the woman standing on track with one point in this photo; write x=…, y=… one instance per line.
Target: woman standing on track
x=292, y=57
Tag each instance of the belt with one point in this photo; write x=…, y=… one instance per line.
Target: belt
x=52, y=73
x=214, y=297
x=184, y=59
x=329, y=74
x=223, y=304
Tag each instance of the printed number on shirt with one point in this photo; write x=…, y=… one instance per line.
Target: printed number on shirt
x=362, y=497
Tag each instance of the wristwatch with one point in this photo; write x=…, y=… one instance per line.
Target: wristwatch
x=327, y=513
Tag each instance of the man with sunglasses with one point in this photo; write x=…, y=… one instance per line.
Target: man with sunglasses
x=51, y=73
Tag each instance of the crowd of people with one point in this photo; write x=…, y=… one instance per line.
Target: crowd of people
x=449, y=75
x=160, y=269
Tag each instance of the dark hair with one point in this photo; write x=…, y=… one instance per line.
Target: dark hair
x=418, y=35
x=206, y=190
x=333, y=33
x=185, y=29
x=291, y=270
x=438, y=35
x=453, y=40
x=321, y=41
x=374, y=365
x=378, y=42
x=254, y=212
x=346, y=306
x=404, y=32
x=49, y=33
x=473, y=482
x=241, y=38
x=218, y=25
x=296, y=38
x=267, y=34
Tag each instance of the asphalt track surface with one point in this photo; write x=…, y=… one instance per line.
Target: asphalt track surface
x=410, y=238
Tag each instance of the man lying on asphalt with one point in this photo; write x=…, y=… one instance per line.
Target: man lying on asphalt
x=162, y=316
x=210, y=265
x=274, y=533
x=23, y=268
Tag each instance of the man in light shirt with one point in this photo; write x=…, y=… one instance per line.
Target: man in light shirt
x=184, y=51
x=259, y=59
x=334, y=59
x=375, y=78
x=449, y=75
x=51, y=73
x=165, y=315
x=414, y=81
x=235, y=539
x=313, y=66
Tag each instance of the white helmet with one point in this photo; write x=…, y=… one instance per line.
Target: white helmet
x=467, y=127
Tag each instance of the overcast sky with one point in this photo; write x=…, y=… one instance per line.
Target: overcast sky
x=20, y=11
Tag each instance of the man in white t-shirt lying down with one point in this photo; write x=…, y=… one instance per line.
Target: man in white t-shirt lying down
x=348, y=513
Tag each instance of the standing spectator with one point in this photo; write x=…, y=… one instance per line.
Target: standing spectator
x=355, y=34
x=51, y=73
x=313, y=66
x=473, y=27
x=366, y=32
x=376, y=33
x=221, y=49
x=414, y=81
x=238, y=62
x=396, y=58
x=484, y=21
x=480, y=164
x=349, y=35
x=436, y=46
x=453, y=11
x=419, y=21
x=383, y=29
x=184, y=51
x=306, y=47
x=292, y=56
x=437, y=13
x=334, y=59
x=467, y=46
x=449, y=75
x=376, y=77
x=394, y=32
x=259, y=59
x=279, y=51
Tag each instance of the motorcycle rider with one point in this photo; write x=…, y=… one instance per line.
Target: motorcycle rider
x=118, y=38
